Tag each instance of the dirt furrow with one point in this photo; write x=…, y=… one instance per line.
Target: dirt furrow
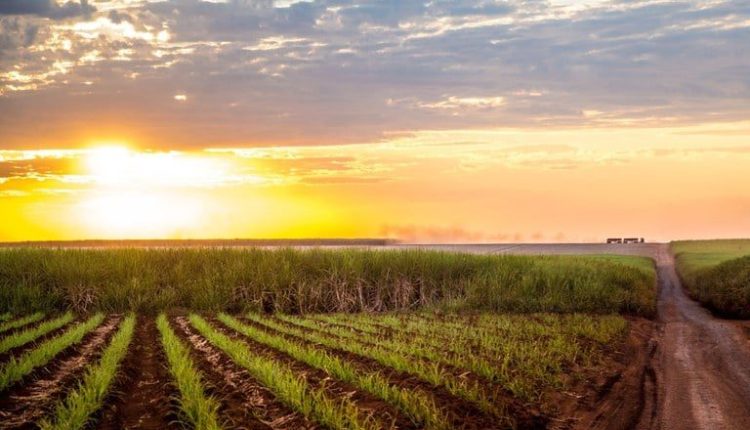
x=464, y=414
x=20, y=350
x=142, y=397
x=387, y=415
x=28, y=401
x=245, y=403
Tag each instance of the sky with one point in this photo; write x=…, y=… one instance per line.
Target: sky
x=425, y=121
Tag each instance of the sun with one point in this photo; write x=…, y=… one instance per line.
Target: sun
x=108, y=164
x=144, y=194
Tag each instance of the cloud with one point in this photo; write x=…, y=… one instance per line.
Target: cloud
x=47, y=8
x=343, y=71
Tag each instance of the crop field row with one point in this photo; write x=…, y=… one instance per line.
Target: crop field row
x=317, y=281
x=421, y=370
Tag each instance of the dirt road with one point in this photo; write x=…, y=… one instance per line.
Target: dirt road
x=702, y=363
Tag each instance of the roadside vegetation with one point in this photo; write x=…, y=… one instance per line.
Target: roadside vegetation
x=308, y=281
x=717, y=273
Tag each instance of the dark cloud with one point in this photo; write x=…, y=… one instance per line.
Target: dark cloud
x=46, y=8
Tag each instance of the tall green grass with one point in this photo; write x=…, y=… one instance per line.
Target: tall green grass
x=716, y=273
x=694, y=256
x=306, y=281
x=75, y=411
x=725, y=288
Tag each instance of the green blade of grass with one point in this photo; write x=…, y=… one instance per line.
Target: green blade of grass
x=74, y=412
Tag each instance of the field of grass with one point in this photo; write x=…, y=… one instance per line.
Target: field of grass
x=717, y=273
x=347, y=339
x=644, y=264
x=417, y=370
x=306, y=281
x=693, y=256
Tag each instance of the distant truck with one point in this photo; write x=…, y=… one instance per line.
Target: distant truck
x=625, y=240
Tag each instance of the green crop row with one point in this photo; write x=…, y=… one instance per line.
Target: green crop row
x=18, y=367
x=75, y=411
x=420, y=408
x=291, y=389
x=21, y=322
x=21, y=338
x=199, y=410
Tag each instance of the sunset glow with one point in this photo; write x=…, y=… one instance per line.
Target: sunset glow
x=490, y=121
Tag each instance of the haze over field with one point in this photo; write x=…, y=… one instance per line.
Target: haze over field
x=425, y=121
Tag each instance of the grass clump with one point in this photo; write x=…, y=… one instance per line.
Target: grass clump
x=317, y=280
x=18, y=339
x=74, y=412
x=199, y=410
x=15, y=369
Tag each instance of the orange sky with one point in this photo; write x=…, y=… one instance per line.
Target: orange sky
x=448, y=185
